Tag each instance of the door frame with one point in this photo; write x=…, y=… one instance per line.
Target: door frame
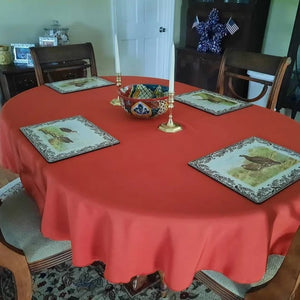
x=167, y=22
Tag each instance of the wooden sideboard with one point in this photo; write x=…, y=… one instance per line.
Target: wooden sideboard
x=201, y=69
x=198, y=69
x=14, y=79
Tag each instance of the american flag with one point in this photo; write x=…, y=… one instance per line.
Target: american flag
x=231, y=26
x=196, y=22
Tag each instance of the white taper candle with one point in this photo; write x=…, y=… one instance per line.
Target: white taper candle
x=117, y=57
x=172, y=70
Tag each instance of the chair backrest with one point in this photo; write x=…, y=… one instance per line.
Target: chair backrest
x=63, y=62
x=233, y=74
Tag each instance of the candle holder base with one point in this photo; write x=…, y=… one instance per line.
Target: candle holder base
x=170, y=128
x=116, y=101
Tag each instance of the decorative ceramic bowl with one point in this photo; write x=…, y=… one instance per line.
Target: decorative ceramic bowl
x=144, y=101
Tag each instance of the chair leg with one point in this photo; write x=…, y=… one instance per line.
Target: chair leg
x=285, y=285
x=296, y=291
x=138, y=282
x=293, y=114
x=17, y=264
x=163, y=286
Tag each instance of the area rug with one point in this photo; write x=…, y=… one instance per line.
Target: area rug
x=67, y=282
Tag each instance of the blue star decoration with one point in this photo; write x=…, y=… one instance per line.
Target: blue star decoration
x=211, y=33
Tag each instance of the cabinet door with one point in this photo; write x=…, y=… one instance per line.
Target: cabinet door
x=198, y=69
x=289, y=96
x=22, y=82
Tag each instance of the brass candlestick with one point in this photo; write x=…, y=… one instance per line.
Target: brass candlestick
x=116, y=101
x=170, y=126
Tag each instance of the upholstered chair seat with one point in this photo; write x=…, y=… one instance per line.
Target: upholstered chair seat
x=233, y=290
x=20, y=224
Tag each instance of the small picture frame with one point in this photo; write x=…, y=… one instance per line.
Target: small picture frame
x=47, y=41
x=29, y=60
x=20, y=52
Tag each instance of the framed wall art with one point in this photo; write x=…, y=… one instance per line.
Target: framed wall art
x=20, y=52
x=47, y=41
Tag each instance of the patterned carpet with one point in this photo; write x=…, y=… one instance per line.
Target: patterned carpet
x=67, y=282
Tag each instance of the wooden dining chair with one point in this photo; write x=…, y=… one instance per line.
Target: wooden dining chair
x=281, y=280
x=63, y=62
x=23, y=249
x=233, y=78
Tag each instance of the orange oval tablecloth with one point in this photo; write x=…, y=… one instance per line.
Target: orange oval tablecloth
x=138, y=206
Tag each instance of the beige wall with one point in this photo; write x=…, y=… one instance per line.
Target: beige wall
x=177, y=20
x=22, y=21
x=279, y=27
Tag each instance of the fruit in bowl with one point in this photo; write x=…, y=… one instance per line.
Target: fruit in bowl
x=144, y=101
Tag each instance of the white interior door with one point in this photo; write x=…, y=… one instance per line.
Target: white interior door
x=145, y=34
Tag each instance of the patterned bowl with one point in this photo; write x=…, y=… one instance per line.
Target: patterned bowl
x=144, y=101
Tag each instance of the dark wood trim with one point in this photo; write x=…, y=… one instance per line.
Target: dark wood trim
x=14, y=79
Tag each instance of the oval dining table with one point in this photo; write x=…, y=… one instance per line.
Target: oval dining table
x=138, y=206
